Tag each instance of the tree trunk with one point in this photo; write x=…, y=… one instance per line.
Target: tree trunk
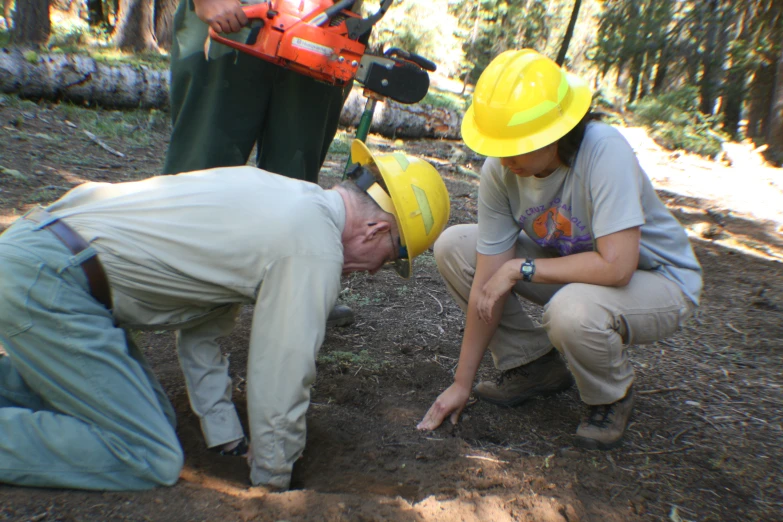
x=7, y=4
x=775, y=127
x=635, y=74
x=164, y=22
x=663, y=68
x=31, y=22
x=134, y=30
x=95, y=12
x=81, y=79
x=760, y=100
x=734, y=93
x=710, y=62
x=561, y=55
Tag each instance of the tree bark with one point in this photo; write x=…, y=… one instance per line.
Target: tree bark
x=734, y=93
x=775, y=127
x=760, y=100
x=717, y=43
x=7, y=4
x=95, y=12
x=164, y=22
x=81, y=79
x=134, y=31
x=31, y=22
x=395, y=120
x=561, y=55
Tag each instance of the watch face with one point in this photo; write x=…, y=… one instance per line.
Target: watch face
x=526, y=269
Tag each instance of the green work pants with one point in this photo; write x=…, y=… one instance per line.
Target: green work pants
x=79, y=406
x=221, y=107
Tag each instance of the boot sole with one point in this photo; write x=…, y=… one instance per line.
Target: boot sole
x=592, y=444
x=343, y=321
x=510, y=403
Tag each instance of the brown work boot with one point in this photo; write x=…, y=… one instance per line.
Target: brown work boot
x=340, y=315
x=546, y=375
x=605, y=424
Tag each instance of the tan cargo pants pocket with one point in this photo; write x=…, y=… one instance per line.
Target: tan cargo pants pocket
x=650, y=325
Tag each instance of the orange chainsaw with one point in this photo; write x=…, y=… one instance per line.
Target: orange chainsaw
x=321, y=39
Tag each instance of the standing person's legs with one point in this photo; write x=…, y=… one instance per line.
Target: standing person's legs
x=591, y=325
x=218, y=105
x=104, y=425
x=300, y=126
x=519, y=348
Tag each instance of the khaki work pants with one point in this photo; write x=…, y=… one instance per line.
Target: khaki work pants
x=588, y=324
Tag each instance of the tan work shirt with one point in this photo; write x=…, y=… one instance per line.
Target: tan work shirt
x=180, y=250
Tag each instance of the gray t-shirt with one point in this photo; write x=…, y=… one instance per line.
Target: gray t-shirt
x=606, y=191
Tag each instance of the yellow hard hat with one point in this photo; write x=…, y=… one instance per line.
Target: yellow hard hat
x=414, y=194
x=523, y=101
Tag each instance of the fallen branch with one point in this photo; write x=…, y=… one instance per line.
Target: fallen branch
x=663, y=452
x=437, y=301
x=479, y=457
x=467, y=172
x=659, y=390
x=101, y=144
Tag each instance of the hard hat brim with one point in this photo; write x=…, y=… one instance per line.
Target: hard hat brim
x=362, y=155
x=502, y=148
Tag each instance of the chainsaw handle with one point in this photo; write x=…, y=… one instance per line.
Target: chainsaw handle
x=421, y=61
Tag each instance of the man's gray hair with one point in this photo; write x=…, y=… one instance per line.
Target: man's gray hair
x=366, y=205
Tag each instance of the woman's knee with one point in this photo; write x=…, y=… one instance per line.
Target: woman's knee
x=571, y=315
x=456, y=245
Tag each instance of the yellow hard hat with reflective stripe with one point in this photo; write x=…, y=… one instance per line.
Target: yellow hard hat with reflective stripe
x=414, y=194
x=523, y=101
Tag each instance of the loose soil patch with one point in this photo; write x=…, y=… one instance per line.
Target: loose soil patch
x=704, y=444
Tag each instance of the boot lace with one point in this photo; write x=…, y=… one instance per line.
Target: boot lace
x=508, y=374
x=601, y=416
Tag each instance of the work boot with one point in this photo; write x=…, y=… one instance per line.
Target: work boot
x=237, y=448
x=340, y=315
x=546, y=375
x=604, y=426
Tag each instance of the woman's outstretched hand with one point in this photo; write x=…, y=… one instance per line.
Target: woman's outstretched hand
x=450, y=402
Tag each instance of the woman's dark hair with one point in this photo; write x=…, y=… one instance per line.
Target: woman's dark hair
x=568, y=145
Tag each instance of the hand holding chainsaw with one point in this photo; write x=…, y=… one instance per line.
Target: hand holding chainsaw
x=223, y=16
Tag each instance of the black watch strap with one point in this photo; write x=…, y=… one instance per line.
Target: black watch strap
x=528, y=269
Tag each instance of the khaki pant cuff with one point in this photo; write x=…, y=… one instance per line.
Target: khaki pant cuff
x=221, y=426
x=510, y=362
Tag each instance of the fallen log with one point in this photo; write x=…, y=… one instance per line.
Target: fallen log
x=83, y=80
x=395, y=120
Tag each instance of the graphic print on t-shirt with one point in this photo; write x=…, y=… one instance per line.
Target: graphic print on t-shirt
x=554, y=229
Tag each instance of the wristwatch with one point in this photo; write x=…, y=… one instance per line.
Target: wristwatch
x=527, y=270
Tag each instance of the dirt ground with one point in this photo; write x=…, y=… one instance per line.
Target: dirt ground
x=705, y=443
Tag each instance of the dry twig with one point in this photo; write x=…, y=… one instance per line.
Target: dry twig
x=101, y=144
x=659, y=390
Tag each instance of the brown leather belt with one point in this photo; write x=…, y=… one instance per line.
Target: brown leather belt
x=96, y=276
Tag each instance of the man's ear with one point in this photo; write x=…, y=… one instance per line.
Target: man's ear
x=376, y=228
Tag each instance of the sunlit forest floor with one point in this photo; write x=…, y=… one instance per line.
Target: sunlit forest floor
x=704, y=443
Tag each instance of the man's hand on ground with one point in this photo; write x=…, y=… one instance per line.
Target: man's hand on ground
x=450, y=402
x=224, y=16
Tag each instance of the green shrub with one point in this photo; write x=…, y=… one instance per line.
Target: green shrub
x=68, y=33
x=676, y=123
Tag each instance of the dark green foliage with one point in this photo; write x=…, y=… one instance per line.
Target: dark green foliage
x=489, y=27
x=676, y=122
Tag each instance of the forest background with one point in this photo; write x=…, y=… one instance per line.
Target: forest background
x=697, y=73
